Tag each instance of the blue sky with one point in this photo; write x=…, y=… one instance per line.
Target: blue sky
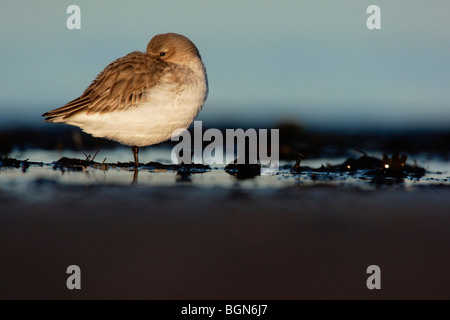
x=314, y=62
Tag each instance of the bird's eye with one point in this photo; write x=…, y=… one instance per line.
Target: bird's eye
x=162, y=54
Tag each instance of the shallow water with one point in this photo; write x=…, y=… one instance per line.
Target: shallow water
x=43, y=181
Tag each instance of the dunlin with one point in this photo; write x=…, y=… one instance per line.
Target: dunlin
x=142, y=98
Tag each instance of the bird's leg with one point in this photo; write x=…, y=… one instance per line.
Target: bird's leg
x=135, y=176
x=135, y=154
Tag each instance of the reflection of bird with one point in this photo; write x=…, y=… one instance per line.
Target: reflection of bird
x=142, y=98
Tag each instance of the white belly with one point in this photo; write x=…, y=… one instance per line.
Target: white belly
x=149, y=123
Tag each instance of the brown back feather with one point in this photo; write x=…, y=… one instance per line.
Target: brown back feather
x=121, y=85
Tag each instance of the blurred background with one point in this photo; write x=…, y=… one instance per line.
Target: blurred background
x=311, y=63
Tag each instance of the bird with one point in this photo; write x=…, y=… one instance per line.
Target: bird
x=142, y=98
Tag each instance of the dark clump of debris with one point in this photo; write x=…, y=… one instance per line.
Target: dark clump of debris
x=72, y=164
x=10, y=162
x=6, y=162
x=394, y=167
x=243, y=171
x=242, y=168
x=79, y=164
x=378, y=170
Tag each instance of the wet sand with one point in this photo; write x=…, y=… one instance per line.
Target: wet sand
x=189, y=242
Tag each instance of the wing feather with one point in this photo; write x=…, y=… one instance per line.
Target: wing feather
x=121, y=85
